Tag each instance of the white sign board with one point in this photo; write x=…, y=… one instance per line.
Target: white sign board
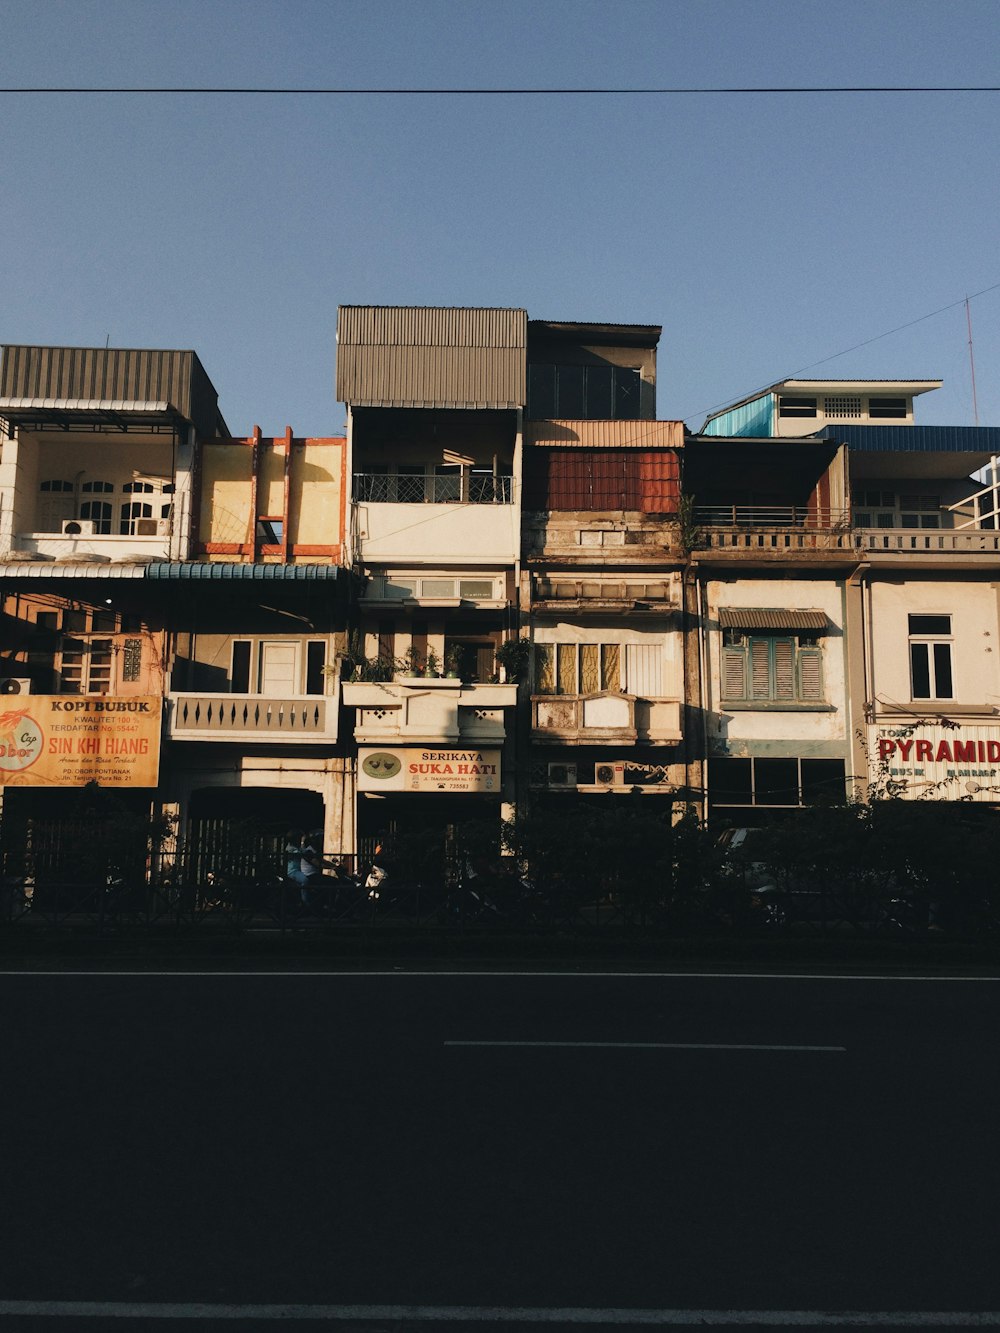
x=934, y=762
x=416, y=770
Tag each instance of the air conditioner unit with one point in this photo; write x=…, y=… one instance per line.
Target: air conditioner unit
x=152, y=527
x=78, y=527
x=14, y=685
x=609, y=775
x=562, y=776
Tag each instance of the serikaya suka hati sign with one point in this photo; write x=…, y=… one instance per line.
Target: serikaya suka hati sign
x=63, y=740
x=405, y=769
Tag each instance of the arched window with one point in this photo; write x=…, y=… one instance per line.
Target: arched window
x=99, y=512
x=97, y=487
x=138, y=488
x=132, y=511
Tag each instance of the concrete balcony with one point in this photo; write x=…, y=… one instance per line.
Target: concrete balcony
x=428, y=712
x=98, y=548
x=605, y=719
x=399, y=532
x=930, y=541
x=290, y=720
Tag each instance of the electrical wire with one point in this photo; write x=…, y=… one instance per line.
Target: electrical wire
x=503, y=92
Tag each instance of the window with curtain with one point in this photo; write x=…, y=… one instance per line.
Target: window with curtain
x=577, y=668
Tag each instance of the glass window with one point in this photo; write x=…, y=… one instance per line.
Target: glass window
x=930, y=657
x=570, y=392
x=796, y=407
x=887, y=408
x=541, y=392
x=97, y=512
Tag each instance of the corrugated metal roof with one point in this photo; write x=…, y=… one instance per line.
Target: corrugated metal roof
x=606, y=434
x=89, y=375
x=915, y=439
x=760, y=617
x=70, y=569
x=195, y=570
x=396, y=356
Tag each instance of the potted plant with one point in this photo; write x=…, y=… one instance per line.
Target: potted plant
x=453, y=661
x=409, y=663
x=514, y=655
x=432, y=664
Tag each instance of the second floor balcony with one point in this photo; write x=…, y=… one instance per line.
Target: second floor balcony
x=422, y=514
x=430, y=712
x=288, y=719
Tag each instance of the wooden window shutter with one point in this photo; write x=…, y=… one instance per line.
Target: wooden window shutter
x=733, y=673
x=760, y=669
x=810, y=673
x=784, y=668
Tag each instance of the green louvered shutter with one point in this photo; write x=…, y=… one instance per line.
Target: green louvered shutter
x=733, y=673
x=810, y=674
x=784, y=668
x=760, y=669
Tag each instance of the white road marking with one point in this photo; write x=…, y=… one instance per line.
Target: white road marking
x=403, y=972
x=653, y=1045
x=504, y=1314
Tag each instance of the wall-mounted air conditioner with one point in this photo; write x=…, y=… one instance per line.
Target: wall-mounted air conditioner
x=562, y=776
x=78, y=527
x=609, y=775
x=15, y=685
x=152, y=527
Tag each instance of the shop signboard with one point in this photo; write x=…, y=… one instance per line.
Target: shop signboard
x=953, y=763
x=61, y=740
x=409, y=768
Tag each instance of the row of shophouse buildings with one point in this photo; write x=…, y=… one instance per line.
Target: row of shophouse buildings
x=314, y=632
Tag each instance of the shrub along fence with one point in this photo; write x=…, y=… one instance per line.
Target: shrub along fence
x=889, y=867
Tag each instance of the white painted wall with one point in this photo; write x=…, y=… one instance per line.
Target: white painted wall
x=975, y=656
x=772, y=723
x=476, y=534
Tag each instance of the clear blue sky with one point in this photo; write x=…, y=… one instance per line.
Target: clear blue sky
x=764, y=233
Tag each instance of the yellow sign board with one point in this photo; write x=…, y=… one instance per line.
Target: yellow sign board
x=63, y=740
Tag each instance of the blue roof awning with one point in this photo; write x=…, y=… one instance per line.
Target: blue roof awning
x=221, y=571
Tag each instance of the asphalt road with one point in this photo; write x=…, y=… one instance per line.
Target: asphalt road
x=510, y=1142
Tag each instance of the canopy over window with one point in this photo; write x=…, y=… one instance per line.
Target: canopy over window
x=762, y=617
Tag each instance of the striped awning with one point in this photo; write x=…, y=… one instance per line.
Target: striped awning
x=769, y=617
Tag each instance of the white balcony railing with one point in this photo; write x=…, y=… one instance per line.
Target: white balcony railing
x=430, y=712
x=200, y=717
x=934, y=541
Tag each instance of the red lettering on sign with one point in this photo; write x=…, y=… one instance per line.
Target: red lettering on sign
x=943, y=752
x=904, y=750
x=924, y=750
x=993, y=751
x=964, y=751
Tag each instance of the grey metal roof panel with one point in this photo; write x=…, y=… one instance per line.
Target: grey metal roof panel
x=112, y=374
x=761, y=617
x=222, y=571
x=393, y=356
x=915, y=439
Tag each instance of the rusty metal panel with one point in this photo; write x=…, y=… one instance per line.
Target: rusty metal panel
x=112, y=374
x=389, y=356
x=606, y=434
x=756, y=617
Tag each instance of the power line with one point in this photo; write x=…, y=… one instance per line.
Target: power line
x=503, y=92
x=855, y=347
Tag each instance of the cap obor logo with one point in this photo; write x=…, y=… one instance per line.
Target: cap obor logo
x=20, y=740
x=381, y=766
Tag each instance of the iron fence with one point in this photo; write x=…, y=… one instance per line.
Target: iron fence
x=224, y=875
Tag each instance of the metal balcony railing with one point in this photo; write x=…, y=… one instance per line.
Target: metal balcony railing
x=465, y=488
x=771, y=516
